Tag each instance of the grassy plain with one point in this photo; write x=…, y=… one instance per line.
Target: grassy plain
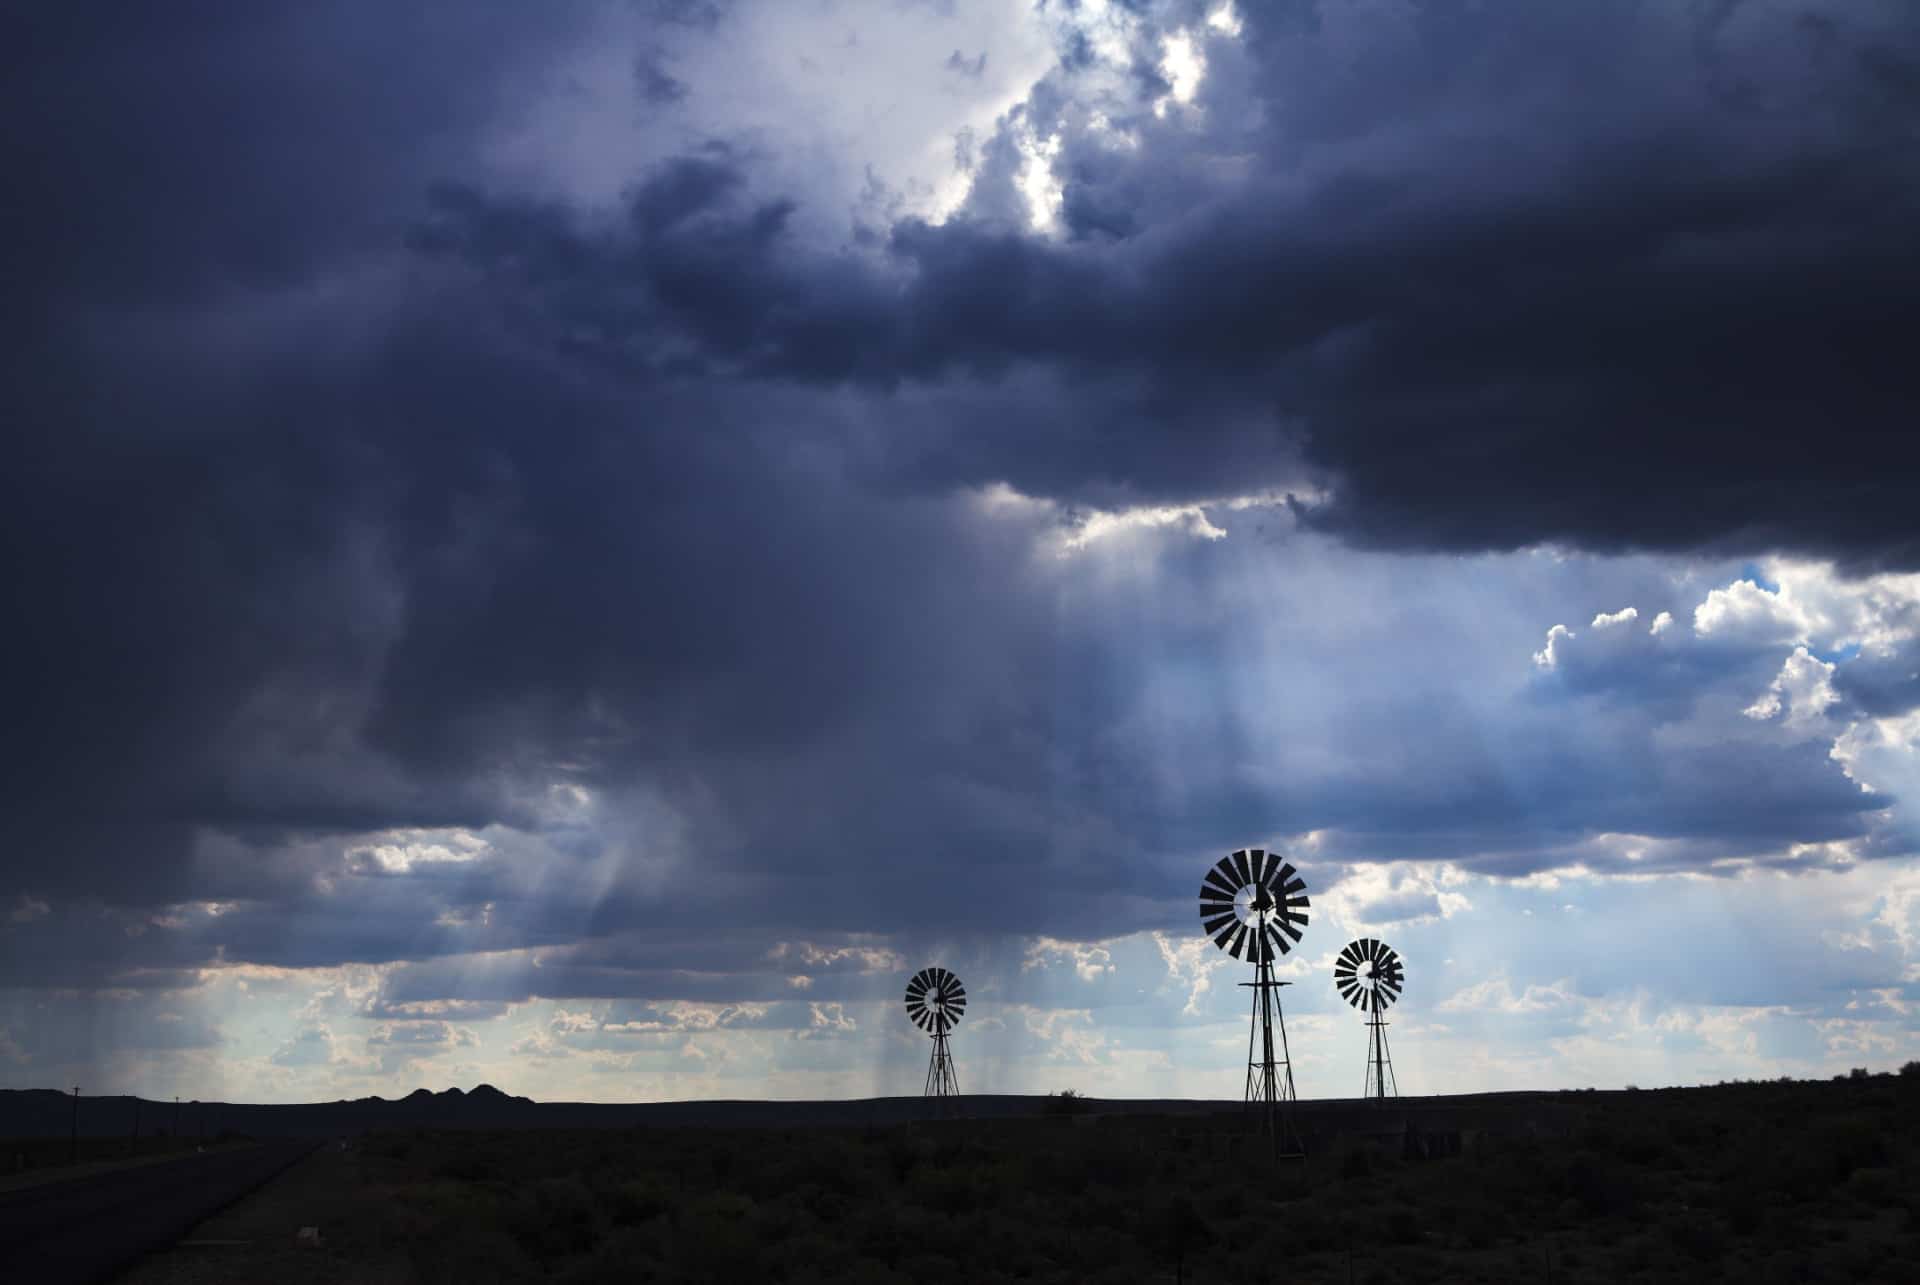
x=1763, y=1182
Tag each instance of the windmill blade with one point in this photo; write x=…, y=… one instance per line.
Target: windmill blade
x=1291, y=931
x=1290, y=883
x=1242, y=868
x=1209, y=909
x=1214, y=926
x=1263, y=863
x=1218, y=885
x=1239, y=941
x=1226, y=936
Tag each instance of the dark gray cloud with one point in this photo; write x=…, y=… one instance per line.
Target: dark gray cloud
x=1608, y=275
x=355, y=488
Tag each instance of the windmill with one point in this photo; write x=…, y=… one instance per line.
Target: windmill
x=1254, y=906
x=1369, y=976
x=935, y=1002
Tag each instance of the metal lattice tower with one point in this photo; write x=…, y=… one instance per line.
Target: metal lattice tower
x=1254, y=906
x=935, y=1002
x=1369, y=976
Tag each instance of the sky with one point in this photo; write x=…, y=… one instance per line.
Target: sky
x=576, y=546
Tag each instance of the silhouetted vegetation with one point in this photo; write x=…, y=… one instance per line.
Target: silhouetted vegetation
x=1751, y=1182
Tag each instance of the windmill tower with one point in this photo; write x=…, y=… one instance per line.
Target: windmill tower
x=1254, y=906
x=1369, y=977
x=935, y=1002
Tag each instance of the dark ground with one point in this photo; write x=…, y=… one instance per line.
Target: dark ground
x=1768, y=1182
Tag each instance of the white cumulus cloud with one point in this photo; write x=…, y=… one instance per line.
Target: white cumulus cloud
x=1547, y=657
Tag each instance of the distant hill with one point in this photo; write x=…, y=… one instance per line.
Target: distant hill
x=37, y=1113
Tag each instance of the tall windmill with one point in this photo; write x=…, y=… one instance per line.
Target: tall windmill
x=1254, y=906
x=1369, y=977
x=935, y=1002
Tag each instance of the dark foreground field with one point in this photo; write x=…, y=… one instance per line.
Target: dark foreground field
x=1760, y=1182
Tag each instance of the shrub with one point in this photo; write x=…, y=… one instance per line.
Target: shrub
x=640, y=1199
x=1067, y=1102
x=1875, y=1185
x=1601, y=1185
x=1701, y=1239
x=554, y=1218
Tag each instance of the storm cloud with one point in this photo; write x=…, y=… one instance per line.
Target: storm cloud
x=693, y=588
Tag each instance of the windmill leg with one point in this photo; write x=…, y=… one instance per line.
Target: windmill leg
x=1253, y=1036
x=1390, y=1086
x=1289, y=1138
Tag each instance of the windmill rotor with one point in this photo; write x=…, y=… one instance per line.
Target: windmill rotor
x=1253, y=905
x=936, y=1000
x=1369, y=975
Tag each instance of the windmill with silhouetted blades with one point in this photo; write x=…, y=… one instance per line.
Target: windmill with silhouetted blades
x=1254, y=906
x=935, y=1002
x=1369, y=976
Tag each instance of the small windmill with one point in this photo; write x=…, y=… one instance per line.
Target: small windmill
x=1254, y=906
x=1369, y=976
x=935, y=1002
